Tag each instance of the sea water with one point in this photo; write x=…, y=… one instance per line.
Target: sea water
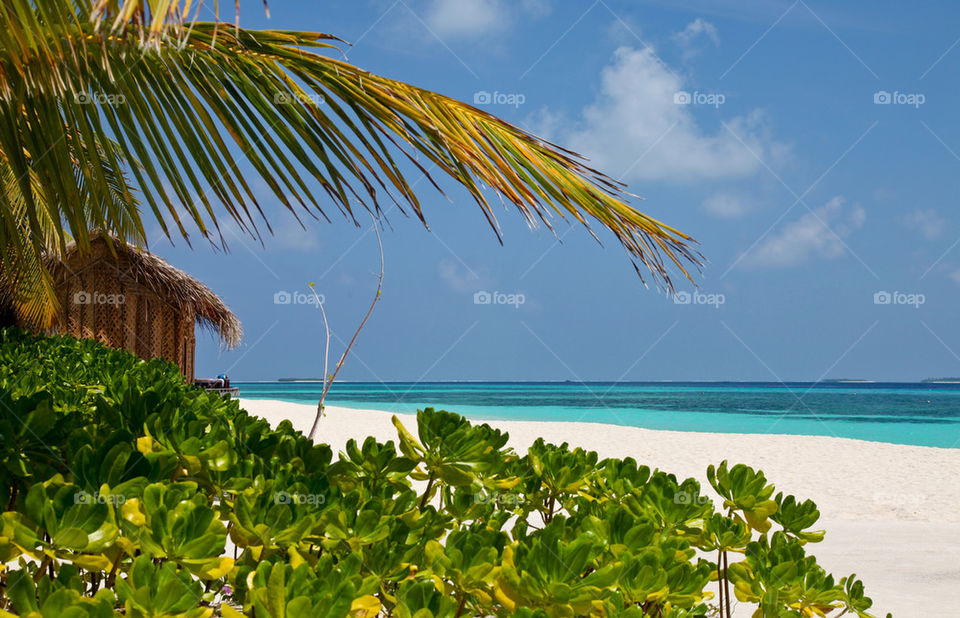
x=926, y=414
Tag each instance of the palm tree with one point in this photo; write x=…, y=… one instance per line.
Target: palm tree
x=92, y=91
x=27, y=294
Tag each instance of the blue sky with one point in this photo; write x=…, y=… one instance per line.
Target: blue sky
x=812, y=149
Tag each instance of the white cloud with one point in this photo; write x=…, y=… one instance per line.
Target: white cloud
x=726, y=206
x=687, y=38
x=817, y=234
x=635, y=129
x=475, y=18
x=928, y=222
x=290, y=236
x=464, y=17
x=536, y=8
x=462, y=279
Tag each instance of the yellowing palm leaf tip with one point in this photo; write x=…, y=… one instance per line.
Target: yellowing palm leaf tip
x=174, y=92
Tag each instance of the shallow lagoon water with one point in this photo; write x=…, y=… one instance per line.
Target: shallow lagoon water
x=898, y=413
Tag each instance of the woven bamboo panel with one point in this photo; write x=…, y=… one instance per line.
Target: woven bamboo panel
x=142, y=328
x=107, y=318
x=87, y=323
x=130, y=322
x=101, y=300
x=187, y=354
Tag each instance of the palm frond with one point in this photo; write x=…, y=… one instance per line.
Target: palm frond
x=25, y=281
x=177, y=94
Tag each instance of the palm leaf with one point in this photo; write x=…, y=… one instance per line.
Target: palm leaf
x=25, y=282
x=180, y=96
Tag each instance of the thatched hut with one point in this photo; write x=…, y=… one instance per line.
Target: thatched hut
x=128, y=298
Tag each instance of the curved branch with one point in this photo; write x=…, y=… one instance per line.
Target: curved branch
x=328, y=383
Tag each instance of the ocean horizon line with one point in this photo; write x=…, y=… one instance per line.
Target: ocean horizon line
x=845, y=382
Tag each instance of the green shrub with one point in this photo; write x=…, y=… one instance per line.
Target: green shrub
x=129, y=492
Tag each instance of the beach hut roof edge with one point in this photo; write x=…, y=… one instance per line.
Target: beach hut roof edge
x=175, y=286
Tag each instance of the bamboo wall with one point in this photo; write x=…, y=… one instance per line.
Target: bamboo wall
x=101, y=300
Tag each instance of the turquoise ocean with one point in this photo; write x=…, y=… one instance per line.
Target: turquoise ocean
x=926, y=414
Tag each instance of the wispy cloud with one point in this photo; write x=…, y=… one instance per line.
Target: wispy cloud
x=818, y=234
x=290, y=236
x=688, y=39
x=928, y=223
x=462, y=279
x=642, y=127
x=726, y=205
x=476, y=18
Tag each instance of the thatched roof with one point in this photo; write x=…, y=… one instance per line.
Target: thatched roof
x=173, y=285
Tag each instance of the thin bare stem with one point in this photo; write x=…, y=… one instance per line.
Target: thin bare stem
x=726, y=583
x=326, y=358
x=720, y=584
x=328, y=383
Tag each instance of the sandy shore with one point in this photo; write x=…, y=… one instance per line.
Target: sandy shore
x=890, y=511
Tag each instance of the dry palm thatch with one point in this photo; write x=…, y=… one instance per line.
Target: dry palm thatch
x=175, y=287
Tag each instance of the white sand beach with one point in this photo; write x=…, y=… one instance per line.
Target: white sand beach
x=890, y=511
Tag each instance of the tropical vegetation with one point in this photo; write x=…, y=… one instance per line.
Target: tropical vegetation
x=105, y=104
x=128, y=492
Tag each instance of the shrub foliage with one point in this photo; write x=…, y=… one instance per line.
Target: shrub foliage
x=127, y=492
